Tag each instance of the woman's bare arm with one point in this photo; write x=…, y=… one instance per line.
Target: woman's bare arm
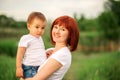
x=48, y=69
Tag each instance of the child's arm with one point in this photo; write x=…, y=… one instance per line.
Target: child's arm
x=19, y=57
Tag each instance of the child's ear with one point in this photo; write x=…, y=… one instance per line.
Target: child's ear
x=28, y=25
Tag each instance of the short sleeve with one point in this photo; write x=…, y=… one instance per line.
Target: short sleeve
x=60, y=57
x=23, y=42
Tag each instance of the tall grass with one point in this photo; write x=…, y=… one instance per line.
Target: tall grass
x=95, y=67
x=104, y=66
x=7, y=68
x=8, y=46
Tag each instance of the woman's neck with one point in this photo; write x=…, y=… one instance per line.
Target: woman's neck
x=59, y=46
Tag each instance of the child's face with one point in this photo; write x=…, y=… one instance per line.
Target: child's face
x=37, y=27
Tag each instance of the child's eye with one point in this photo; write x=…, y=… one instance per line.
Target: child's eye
x=43, y=28
x=37, y=26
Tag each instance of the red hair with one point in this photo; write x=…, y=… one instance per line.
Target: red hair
x=71, y=25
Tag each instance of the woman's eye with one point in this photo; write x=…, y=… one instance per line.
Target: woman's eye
x=63, y=29
x=55, y=27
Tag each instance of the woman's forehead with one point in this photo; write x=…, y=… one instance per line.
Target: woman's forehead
x=60, y=25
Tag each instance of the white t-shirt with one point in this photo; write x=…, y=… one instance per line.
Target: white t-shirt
x=35, y=50
x=64, y=57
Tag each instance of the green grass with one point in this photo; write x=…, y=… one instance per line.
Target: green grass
x=8, y=46
x=94, y=67
x=7, y=68
x=102, y=66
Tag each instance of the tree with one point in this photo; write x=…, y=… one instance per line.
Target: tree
x=109, y=25
x=114, y=6
x=10, y=22
x=6, y=21
x=3, y=20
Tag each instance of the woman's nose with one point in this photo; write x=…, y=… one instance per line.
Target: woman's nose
x=58, y=30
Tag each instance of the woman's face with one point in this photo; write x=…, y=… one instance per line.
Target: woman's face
x=60, y=34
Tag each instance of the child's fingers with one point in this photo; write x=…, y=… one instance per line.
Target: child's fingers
x=48, y=53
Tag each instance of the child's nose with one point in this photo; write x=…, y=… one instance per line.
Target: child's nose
x=40, y=30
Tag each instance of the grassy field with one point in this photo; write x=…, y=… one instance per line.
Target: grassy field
x=102, y=66
x=7, y=68
x=93, y=66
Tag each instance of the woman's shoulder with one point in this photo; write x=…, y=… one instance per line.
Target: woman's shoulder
x=63, y=56
x=64, y=50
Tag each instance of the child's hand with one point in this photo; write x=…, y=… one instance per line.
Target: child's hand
x=19, y=72
x=29, y=79
x=48, y=53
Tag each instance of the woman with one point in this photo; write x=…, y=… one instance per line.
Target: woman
x=64, y=36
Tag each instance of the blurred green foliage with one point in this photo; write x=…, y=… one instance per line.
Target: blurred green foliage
x=94, y=33
x=7, y=69
x=10, y=22
x=109, y=25
x=8, y=47
x=102, y=66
